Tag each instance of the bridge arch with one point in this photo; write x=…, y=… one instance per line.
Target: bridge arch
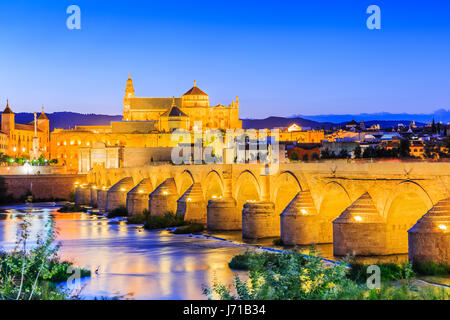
x=183, y=181
x=408, y=202
x=212, y=185
x=334, y=201
x=286, y=186
x=247, y=188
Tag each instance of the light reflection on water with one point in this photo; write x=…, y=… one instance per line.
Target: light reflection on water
x=143, y=264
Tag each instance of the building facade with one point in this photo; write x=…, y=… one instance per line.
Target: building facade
x=147, y=123
x=25, y=140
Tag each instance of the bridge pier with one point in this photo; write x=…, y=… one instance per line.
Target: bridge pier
x=359, y=230
x=259, y=220
x=299, y=221
x=83, y=195
x=101, y=198
x=192, y=205
x=429, y=238
x=93, y=202
x=222, y=213
x=117, y=194
x=137, y=198
x=164, y=198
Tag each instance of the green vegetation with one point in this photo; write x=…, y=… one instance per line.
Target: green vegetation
x=118, y=212
x=278, y=242
x=431, y=269
x=389, y=272
x=71, y=207
x=191, y=228
x=33, y=274
x=139, y=218
x=168, y=220
x=294, y=276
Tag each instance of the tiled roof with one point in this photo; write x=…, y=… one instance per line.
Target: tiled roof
x=153, y=103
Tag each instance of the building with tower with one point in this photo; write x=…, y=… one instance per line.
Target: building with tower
x=147, y=123
x=29, y=140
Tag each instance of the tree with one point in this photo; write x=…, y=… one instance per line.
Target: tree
x=357, y=152
x=404, y=149
x=293, y=156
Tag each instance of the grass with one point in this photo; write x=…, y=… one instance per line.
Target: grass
x=138, y=218
x=118, y=212
x=168, y=220
x=277, y=242
x=389, y=271
x=293, y=276
x=191, y=228
x=34, y=274
x=70, y=207
x=431, y=268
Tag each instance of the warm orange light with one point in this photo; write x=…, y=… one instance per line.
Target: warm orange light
x=358, y=218
x=442, y=227
x=304, y=212
x=140, y=191
x=122, y=189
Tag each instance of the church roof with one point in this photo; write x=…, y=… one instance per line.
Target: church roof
x=195, y=91
x=7, y=109
x=174, y=111
x=43, y=116
x=152, y=103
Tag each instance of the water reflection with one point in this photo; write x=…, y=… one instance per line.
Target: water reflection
x=143, y=264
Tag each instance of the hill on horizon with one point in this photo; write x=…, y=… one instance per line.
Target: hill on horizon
x=67, y=120
x=438, y=115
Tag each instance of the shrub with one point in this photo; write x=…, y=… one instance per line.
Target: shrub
x=278, y=242
x=389, y=272
x=118, y=212
x=431, y=268
x=72, y=208
x=137, y=219
x=166, y=221
x=27, y=274
x=191, y=228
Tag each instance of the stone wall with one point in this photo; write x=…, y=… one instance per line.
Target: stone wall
x=41, y=186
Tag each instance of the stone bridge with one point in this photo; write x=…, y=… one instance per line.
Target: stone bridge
x=363, y=208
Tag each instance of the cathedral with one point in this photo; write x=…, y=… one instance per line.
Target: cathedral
x=146, y=123
x=180, y=113
x=25, y=140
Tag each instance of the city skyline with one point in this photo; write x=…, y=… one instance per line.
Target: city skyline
x=299, y=58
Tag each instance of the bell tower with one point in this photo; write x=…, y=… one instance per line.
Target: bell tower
x=129, y=94
x=8, y=120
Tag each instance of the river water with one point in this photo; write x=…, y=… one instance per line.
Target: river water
x=131, y=262
x=127, y=261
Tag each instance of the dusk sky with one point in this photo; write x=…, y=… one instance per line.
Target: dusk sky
x=280, y=57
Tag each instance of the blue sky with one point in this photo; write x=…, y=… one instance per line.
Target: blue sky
x=280, y=57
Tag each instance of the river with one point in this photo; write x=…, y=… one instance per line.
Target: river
x=129, y=262
x=132, y=262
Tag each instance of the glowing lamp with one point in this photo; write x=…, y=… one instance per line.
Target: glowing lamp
x=442, y=227
x=164, y=192
x=358, y=218
x=189, y=199
x=140, y=191
x=214, y=197
x=122, y=189
x=304, y=212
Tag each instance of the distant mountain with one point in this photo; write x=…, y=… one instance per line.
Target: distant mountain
x=439, y=115
x=66, y=120
x=273, y=122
